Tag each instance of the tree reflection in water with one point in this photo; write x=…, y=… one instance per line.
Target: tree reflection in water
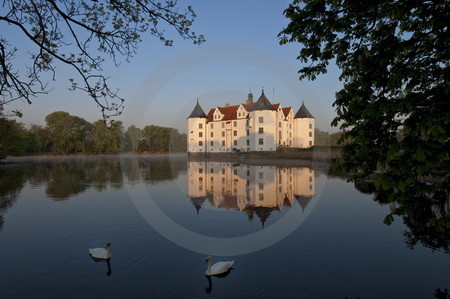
x=12, y=180
x=428, y=220
x=67, y=177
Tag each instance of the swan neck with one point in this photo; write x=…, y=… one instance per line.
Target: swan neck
x=209, y=267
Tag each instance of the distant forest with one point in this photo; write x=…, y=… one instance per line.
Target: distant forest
x=69, y=134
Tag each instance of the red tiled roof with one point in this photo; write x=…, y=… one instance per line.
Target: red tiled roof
x=286, y=111
x=229, y=112
x=210, y=115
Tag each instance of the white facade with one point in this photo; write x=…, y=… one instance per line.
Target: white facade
x=249, y=127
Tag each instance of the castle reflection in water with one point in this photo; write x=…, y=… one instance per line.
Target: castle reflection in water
x=254, y=189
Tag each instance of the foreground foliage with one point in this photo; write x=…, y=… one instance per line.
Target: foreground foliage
x=393, y=108
x=81, y=35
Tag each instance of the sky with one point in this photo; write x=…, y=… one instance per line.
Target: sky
x=161, y=84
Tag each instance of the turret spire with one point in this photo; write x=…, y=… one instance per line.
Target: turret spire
x=303, y=112
x=197, y=112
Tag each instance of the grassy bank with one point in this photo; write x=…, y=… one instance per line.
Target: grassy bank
x=316, y=153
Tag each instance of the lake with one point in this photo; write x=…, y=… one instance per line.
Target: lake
x=292, y=231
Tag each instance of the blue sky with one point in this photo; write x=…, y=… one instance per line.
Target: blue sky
x=161, y=84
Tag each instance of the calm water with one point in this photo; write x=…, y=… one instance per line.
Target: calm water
x=292, y=231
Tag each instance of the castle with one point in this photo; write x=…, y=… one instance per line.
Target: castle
x=249, y=127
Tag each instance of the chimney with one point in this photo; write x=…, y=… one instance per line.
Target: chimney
x=249, y=99
x=227, y=105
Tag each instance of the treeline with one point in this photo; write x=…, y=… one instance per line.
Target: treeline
x=322, y=138
x=69, y=134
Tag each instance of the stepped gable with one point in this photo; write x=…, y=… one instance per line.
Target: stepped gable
x=197, y=112
x=303, y=112
x=262, y=104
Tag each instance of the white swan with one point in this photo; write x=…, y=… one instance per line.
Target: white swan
x=101, y=253
x=217, y=268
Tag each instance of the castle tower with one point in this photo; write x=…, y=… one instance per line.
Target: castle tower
x=196, y=134
x=263, y=125
x=303, y=128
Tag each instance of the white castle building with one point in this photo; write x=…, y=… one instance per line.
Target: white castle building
x=249, y=127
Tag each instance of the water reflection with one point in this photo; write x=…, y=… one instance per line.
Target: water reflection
x=67, y=177
x=108, y=264
x=428, y=221
x=208, y=289
x=12, y=180
x=256, y=190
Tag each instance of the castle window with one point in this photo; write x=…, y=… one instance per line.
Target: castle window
x=200, y=126
x=261, y=130
x=235, y=133
x=261, y=141
x=235, y=142
x=200, y=134
x=235, y=171
x=261, y=196
x=235, y=123
x=223, y=170
x=310, y=143
x=211, y=125
x=279, y=124
x=248, y=132
x=261, y=186
x=223, y=125
x=212, y=134
x=261, y=119
x=310, y=134
x=248, y=142
x=212, y=171
x=200, y=170
x=223, y=133
x=223, y=142
x=212, y=143
x=310, y=126
x=290, y=134
x=290, y=126
x=279, y=134
x=200, y=143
